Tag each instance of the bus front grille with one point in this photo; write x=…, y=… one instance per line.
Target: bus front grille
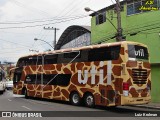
x=139, y=76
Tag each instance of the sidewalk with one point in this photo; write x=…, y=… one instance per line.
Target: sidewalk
x=150, y=105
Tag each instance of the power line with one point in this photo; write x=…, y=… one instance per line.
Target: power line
x=14, y=43
x=45, y=24
x=31, y=9
x=72, y=4
x=77, y=6
x=112, y=1
x=40, y=20
x=65, y=8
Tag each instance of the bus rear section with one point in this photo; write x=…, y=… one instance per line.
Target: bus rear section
x=136, y=75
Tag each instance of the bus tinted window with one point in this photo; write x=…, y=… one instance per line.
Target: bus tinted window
x=34, y=60
x=57, y=79
x=69, y=57
x=72, y=55
x=22, y=62
x=137, y=52
x=33, y=79
x=51, y=79
x=17, y=75
x=63, y=79
x=106, y=53
x=50, y=59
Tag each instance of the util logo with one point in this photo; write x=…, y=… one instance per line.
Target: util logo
x=139, y=53
x=93, y=73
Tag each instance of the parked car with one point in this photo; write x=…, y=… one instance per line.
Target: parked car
x=2, y=87
x=9, y=84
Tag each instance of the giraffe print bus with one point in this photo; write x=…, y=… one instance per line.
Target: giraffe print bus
x=109, y=74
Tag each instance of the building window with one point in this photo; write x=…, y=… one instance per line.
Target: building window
x=130, y=9
x=134, y=6
x=158, y=4
x=100, y=18
x=155, y=3
x=137, y=5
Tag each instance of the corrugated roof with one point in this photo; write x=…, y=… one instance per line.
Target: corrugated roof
x=67, y=31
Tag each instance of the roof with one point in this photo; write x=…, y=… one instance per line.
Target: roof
x=67, y=31
x=84, y=48
x=108, y=8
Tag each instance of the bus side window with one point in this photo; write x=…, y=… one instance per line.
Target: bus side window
x=50, y=59
x=60, y=79
x=115, y=51
x=16, y=78
x=106, y=53
x=17, y=75
x=70, y=57
x=22, y=62
x=84, y=55
x=33, y=79
x=63, y=79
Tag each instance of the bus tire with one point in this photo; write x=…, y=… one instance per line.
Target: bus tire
x=75, y=99
x=26, y=93
x=89, y=100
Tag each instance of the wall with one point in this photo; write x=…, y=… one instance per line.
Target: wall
x=155, y=90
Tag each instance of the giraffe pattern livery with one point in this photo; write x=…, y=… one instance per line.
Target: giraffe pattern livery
x=104, y=80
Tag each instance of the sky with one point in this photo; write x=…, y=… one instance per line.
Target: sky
x=23, y=20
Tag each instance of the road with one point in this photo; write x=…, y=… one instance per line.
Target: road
x=11, y=102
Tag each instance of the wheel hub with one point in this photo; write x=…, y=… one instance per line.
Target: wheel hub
x=89, y=100
x=75, y=98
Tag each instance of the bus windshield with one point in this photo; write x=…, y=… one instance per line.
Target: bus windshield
x=137, y=52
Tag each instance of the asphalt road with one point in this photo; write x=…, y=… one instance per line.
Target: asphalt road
x=63, y=110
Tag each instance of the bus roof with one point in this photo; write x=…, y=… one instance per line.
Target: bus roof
x=84, y=48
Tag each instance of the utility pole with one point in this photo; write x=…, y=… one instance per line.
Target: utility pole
x=55, y=32
x=119, y=27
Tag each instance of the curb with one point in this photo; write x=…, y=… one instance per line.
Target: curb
x=150, y=107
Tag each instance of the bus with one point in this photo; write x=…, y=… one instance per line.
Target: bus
x=109, y=74
x=11, y=73
x=2, y=81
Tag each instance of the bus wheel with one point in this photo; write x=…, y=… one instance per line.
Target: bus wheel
x=89, y=100
x=26, y=94
x=75, y=98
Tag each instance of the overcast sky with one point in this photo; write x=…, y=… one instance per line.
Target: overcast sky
x=23, y=20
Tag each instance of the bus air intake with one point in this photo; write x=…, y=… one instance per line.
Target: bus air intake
x=139, y=76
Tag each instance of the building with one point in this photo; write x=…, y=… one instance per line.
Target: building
x=74, y=36
x=140, y=23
